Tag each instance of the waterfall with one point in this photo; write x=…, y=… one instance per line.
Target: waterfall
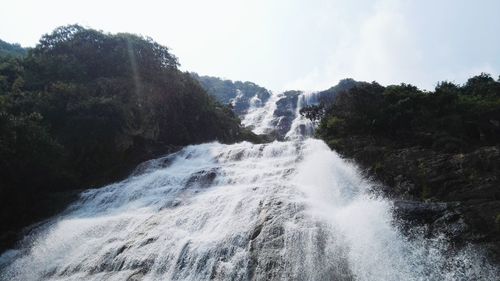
x=291, y=210
x=259, y=117
x=301, y=126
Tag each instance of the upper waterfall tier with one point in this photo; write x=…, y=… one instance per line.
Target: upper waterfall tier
x=280, y=115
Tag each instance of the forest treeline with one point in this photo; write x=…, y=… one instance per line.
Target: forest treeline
x=83, y=107
x=239, y=95
x=452, y=118
x=433, y=148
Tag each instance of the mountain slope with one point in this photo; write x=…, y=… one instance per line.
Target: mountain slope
x=13, y=50
x=240, y=95
x=440, y=149
x=83, y=108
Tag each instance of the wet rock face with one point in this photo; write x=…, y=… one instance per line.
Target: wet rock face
x=243, y=100
x=273, y=236
x=453, y=193
x=434, y=218
x=241, y=95
x=202, y=179
x=285, y=113
x=150, y=165
x=421, y=211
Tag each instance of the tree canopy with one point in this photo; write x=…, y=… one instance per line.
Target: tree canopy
x=84, y=107
x=451, y=118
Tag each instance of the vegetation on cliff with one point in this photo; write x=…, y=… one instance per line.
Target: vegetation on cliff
x=439, y=146
x=237, y=94
x=83, y=107
x=451, y=118
x=12, y=50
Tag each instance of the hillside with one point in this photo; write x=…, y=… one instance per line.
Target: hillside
x=240, y=95
x=83, y=108
x=437, y=153
x=13, y=50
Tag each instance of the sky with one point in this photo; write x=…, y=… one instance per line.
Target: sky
x=291, y=44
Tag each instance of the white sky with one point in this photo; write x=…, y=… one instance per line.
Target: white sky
x=285, y=44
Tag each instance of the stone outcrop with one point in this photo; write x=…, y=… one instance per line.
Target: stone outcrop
x=456, y=194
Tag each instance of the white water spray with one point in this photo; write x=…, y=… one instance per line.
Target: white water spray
x=260, y=118
x=289, y=210
x=301, y=126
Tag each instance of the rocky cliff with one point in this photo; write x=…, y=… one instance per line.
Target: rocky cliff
x=436, y=153
x=456, y=194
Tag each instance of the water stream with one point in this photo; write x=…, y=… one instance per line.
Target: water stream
x=291, y=210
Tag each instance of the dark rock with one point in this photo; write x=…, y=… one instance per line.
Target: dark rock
x=420, y=211
x=202, y=179
x=285, y=113
x=452, y=193
x=237, y=93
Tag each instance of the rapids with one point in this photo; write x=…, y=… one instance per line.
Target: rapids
x=291, y=210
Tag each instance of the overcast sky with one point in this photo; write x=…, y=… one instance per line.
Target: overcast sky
x=285, y=44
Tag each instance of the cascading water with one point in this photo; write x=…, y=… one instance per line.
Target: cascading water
x=287, y=210
x=301, y=126
x=259, y=117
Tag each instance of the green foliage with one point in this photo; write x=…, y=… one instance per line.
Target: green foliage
x=313, y=112
x=237, y=94
x=334, y=126
x=11, y=50
x=335, y=144
x=84, y=107
x=482, y=85
x=31, y=163
x=328, y=96
x=11, y=72
x=452, y=118
x=352, y=111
